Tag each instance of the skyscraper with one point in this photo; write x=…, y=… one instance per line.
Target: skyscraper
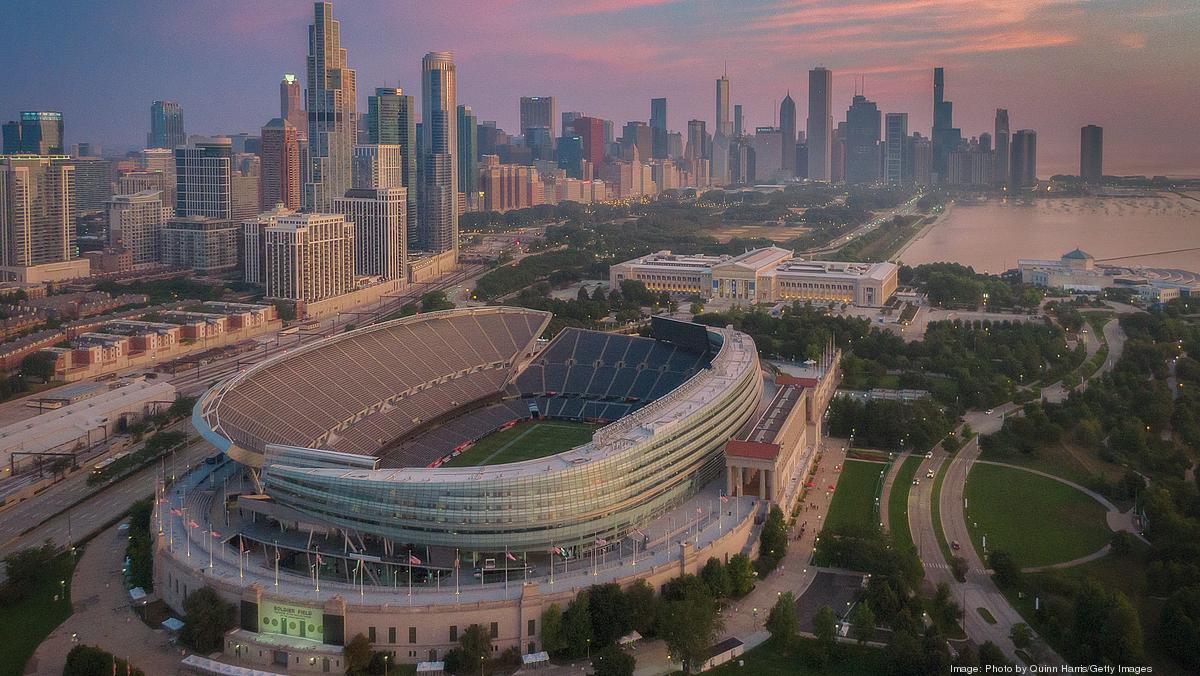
x=1000, y=172
x=280, y=165
x=203, y=179
x=379, y=230
x=591, y=133
x=697, y=141
x=724, y=125
x=1091, y=154
x=568, y=121
x=862, y=141
x=392, y=117
x=135, y=223
x=739, y=122
x=658, y=127
x=468, y=156
x=309, y=257
x=40, y=133
x=291, y=104
x=946, y=137
x=895, y=142
x=787, y=126
x=166, y=125
x=37, y=211
x=331, y=112
x=437, y=228
x=537, y=111
x=12, y=137
x=378, y=165
x=820, y=123
x=1024, y=158
x=636, y=135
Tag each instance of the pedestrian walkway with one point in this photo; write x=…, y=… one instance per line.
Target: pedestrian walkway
x=886, y=493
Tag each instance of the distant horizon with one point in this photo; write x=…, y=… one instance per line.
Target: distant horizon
x=1054, y=64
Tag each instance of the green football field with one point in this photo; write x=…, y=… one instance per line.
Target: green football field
x=525, y=441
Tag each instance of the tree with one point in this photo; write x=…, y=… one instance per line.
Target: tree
x=688, y=626
x=741, y=575
x=944, y=610
x=476, y=646
x=608, y=612
x=612, y=661
x=86, y=660
x=1007, y=572
x=38, y=365
x=825, y=629
x=25, y=568
x=773, y=539
x=783, y=622
x=577, y=626
x=358, y=654
x=716, y=577
x=1021, y=635
x=959, y=567
x=1181, y=624
x=206, y=619
x=991, y=654
x=643, y=607
x=553, y=639
x=862, y=622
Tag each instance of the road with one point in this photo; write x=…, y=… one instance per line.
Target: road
x=903, y=210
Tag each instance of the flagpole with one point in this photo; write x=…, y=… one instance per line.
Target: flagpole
x=505, y=569
x=457, y=575
x=410, y=575
x=210, y=536
x=187, y=534
x=276, y=565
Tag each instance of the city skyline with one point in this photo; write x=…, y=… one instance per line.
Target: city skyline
x=992, y=61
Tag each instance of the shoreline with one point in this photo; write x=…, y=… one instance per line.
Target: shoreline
x=895, y=258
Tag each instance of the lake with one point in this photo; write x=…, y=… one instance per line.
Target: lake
x=991, y=236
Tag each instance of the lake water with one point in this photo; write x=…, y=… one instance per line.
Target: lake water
x=991, y=236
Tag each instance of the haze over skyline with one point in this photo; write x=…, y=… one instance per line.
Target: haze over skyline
x=1054, y=64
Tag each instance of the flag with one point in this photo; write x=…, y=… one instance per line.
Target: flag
x=456, y=562
x=699, y=510
x=176, y=511
x=509, y=556
x=638, y=532
x=214, y=533
x=601, y=542
x=320, y=561
x=724, y=499
x=192, y=524
x=413, y=561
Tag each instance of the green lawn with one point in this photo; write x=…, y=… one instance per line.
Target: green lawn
x=768, y=660
x=854, y=501
x=29, y=621
x=1038, y=520
x=526, y=441
x=935, y=508
x=898, y=501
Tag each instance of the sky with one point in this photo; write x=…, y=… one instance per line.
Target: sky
x=1056, y=65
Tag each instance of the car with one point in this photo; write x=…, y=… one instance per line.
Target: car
x=954, y=545
x=989, y=411
x=929, y=474
x=916, y=482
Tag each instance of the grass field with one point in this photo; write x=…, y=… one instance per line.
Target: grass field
x=526, y=441
x=1038, y=520
x=768, y=660
x=854, y=501
x=935, y=508
x=29, y=621
x=898, y=501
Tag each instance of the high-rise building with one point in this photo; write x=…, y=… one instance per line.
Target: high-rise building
x=204, y=244
x=637, y=135
x=537, y=111
x=309, y=257
x=380, y=248
x=135, y=223
x=697, y=141
x=820, y=124
x=291, y=104
x=203, y=179
x=378, y=166
x=393, y=122
x=742, y=162
x=946, y=137
x=895, y=142
x=37, y=210
x=254, y=243
x=568, y=121
x=331, y=112
x=437, y=228
x=1000, y=172
x=591, y=133
x=510, y=186
x=922, y=160
x=468, y=156
x=787, y=127
x=724, y=124
x=38, y=133
x=93, y=183
x=768, y=157
x=570, y=154
x=862, y=141
x=280, y=164
x=245, y=187
x=1091, y=154
x=658, y=128
x=1023, y=160
x=166, y=125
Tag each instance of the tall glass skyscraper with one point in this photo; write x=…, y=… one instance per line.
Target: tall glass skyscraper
x=392, y=121
x=895, y=139
x=787, y=126
x=468, y=156
x=166, y=125
x=820, y=124
x=437, y=228
x=658, y=127
x=331, y=113
x=862, y=141
x=1000, y=171
x=39, y=133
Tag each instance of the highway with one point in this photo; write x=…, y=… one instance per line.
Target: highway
x=903, y=210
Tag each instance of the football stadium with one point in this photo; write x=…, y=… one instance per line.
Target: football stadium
x=457, y=467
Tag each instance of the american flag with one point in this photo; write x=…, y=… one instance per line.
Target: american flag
x=192, y=524
x=509, y=556
x=413, y=561
x=724, y=498
x=601, y=541
x=699, y=510
x=214, y=533
x=176, y=511
x=638, y=532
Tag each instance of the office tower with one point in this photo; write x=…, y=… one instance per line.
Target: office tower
x=378, y=166
x=437, y=228
x=85, y=149
x=787, y=127
x=895, y=144
x=768, y=156
x=245, y=187
x=380, y=249
x=697, y=140
x=637, y=135
x=922, y=160
x=166, y=125
x=724, y=125
x=510, y=186
x=280, y=165
x=568, y=121
x=291, y=104
x=203, y=177
x=38, y=133
x=591, y=132
x=93, y=183
x=801, y=159
x=674, y=145
x=1000, y=171
x=970, y=166
x=468, y=156
x=984, y=144
x=610, y=132
x=331, y=112
x=537, y=111
x=570, y=154
x=135, y=223
x=862, y=141
x=820, y=124
x=37, y=211
x=658, y=128
x=392, y=116
x=739, y=128
x=1023, y=161
x=539, y=143
x=1091, y=154
x=309, y=257
x=742, y=162
x=946, y=137
x=837, y=154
